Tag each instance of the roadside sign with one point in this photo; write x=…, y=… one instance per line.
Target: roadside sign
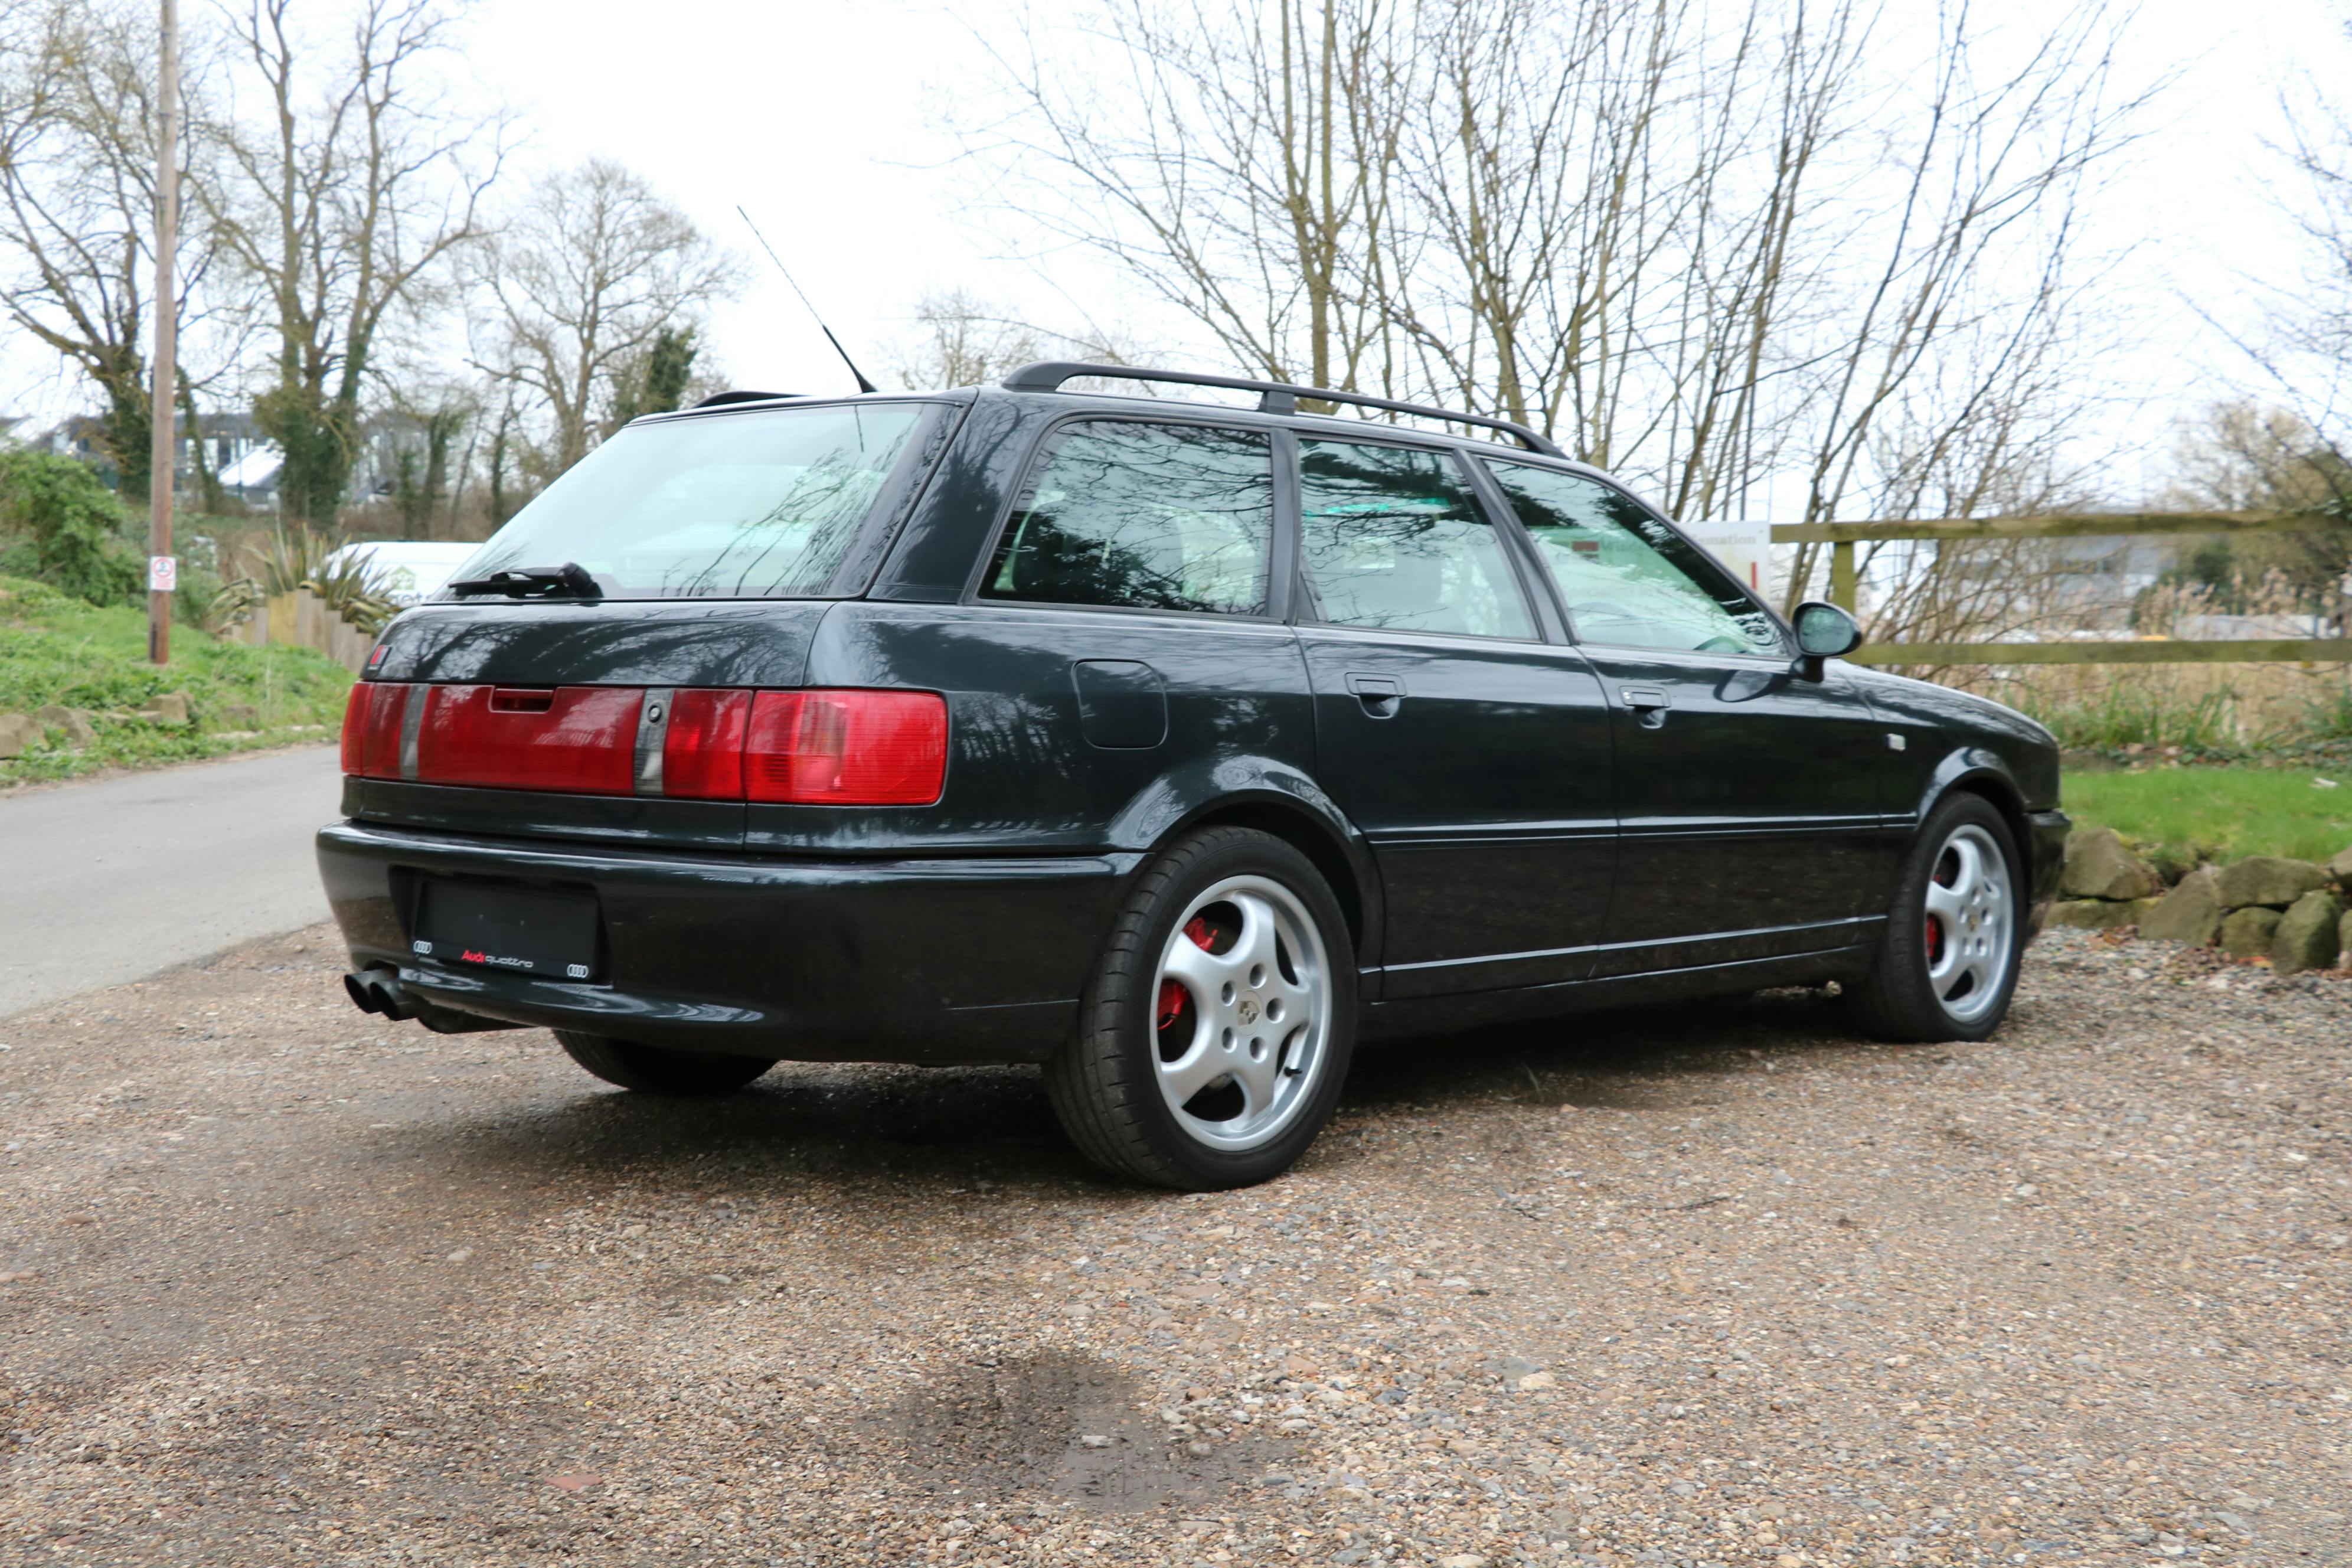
x=162, y=573
x=1744, y=546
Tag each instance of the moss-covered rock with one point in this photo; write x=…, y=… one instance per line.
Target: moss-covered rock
x=2247, y=933
x=2309, y=935
x=2191, y=912
x=2098, y=866
x=2270, y=879
x=2100, y=914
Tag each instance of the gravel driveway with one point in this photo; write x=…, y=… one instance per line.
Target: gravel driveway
x=288, y=1285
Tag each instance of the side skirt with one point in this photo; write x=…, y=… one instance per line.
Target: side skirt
x=1449, y=1014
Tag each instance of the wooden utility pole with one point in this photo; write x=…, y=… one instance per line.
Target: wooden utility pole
x=163, y=571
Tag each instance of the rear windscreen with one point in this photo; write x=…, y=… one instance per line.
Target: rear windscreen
x=753, y=505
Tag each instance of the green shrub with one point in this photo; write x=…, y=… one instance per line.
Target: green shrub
x=2150, y=718
x=70, y=527
x=54, y=648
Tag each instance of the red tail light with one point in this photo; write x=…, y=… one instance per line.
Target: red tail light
x=580, y=740
x=797, y=748
x=371, y=729
x=355, y=715
x=847, y=748
x=702, y=752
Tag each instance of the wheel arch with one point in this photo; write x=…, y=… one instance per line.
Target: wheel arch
x=1978, y=771
x=1278, y=801
x=1311, y=838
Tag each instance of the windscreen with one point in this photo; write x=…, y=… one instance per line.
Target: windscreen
x=760, y=504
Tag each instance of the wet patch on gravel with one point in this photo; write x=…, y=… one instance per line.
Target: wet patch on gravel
x=1065, y=1425
x=283, y=1285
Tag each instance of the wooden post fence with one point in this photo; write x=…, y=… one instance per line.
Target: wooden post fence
x=1846, y=583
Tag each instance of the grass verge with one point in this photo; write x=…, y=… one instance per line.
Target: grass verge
x=2217, y=813
x=55, y=650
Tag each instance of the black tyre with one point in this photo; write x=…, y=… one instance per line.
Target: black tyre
x=1215, y=1036
x=649, y=1070
x=1955, y=932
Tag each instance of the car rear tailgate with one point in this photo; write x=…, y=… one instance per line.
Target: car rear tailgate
x=627, y=648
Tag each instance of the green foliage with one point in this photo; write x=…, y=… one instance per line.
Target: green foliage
x=667, y=369
x=348, y=587
x=211, y=605
x=317, y=435
x=2329, y=718
x=69, y=525
x=660, y=384
x=2211, y=569
x=2123, y=715
x=2219, y=813
x=291, y=558
x=58, y=649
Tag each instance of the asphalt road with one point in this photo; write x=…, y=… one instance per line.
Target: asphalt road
x=102, y=883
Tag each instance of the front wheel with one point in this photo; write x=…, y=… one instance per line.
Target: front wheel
x=1955, y=933
x=650, y=1070
x=1215, y=1035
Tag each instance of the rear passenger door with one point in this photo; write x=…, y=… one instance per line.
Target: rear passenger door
x=1124, y=623
x=1472, y=754
x=1746, y=796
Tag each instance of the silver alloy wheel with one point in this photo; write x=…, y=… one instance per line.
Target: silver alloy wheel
x=1243, y=1018
x=1971, y=924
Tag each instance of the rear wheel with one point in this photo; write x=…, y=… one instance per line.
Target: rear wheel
x=1954, y=933
x=1215, y=1035
x=650, y=1070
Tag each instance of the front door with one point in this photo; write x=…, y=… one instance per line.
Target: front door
x=1473, y=755
x=1747, y=795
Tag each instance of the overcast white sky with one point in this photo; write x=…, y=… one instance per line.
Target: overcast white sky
x=825, y=119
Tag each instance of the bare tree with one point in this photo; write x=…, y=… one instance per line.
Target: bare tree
x=1240, y=154
x=355, y=182
x=962, y=340
x=77, y=203
x=580, y=285
x=2301, y=347
x=1716, y=248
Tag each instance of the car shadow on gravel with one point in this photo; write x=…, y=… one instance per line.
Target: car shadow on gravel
x=960, y=1127
x=820, y=1118
x=1656, y=1058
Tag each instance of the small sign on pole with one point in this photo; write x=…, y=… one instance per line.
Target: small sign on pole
x=162, y=573
x=1743, y=545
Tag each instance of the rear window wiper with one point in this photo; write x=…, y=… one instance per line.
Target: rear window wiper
x=569, y=580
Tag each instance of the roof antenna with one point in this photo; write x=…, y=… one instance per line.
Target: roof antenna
x=863, y=384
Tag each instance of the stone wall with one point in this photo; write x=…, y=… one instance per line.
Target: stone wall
x=2289, y=913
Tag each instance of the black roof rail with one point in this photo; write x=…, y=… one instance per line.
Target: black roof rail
x=1274, y=396
x=721, y=399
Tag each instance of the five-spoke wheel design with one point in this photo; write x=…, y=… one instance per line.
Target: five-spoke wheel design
x=1242, y=1014
x=1947, y=965
x=1970, y=924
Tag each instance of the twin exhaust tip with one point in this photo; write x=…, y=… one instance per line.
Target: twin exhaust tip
x=379, y=991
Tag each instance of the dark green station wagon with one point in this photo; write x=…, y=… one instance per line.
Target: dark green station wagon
x=1173, y=746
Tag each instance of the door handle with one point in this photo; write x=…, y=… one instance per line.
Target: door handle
x=1648, y=704
x=1381, y=695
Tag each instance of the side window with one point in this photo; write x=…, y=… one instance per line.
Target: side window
x=1394, y=538
x=1626, y=578
x=1152, y=517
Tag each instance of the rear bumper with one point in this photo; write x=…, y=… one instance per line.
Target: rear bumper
x=2049, y=852
x=943, y=962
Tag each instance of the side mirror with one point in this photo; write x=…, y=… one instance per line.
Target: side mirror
x=1824, y=631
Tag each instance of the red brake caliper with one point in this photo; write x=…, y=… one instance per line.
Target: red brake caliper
x=1172, y=994
x=1935, y=933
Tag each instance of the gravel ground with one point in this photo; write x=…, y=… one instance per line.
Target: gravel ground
x=283, y=1284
